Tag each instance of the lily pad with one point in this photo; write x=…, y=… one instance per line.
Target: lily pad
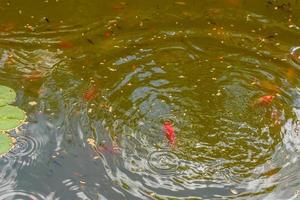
x=7, y=95
x=11, y=117
x=6, y=143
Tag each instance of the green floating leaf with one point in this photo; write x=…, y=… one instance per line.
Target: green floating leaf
x=7, y=95
x=11, y=117
x=6, y=143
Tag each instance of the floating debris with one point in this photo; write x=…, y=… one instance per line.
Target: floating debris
x=32, y=103
x=233, y=191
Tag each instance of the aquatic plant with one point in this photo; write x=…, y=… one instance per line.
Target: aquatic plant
x=10, y=118
x=6, y=143
x=7, y=95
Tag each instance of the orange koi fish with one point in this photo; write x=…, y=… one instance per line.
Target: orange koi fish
x=269, y=86
x=7, y=27
x=107, y=34
x=64, y=44
x=169, y=132
x=234, y=2
x=291, y=73
x=264, y=100
x=90, y=93
x=35, y=75
x=104, y=148
x=112, y=149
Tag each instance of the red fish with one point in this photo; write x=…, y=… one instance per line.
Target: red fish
x=169, y=132
x=264, y=100
x=291, y=73
x=112, y=149
x=90, y=93
x=107, y=34
x=7, y=27
x=64, y=44
x=35, y=75
x=119, y=6
x=269, y=86
x=234, y=2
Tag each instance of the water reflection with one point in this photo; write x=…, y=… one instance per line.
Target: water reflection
x=97, y=89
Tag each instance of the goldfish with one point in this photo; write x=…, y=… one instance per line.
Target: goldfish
x=271, y=172
x=234, y=2
x=112, y=149
x=264, y=100
x=90, y=93
x=107, y=34
x=269, y=86
x=7, y=27
x=119, y=6
x=104, y=148
x=291, y=73
x=169, y=132
x=35, y=75
x=64, y=44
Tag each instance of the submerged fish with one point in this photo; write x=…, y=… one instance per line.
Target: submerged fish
x=264, y=100
x=104, y=148
x=291, y=73
x=271, y=87
x=112, y=149
x=169, y=132
x=90, y=93
x=34, y=75
x=64, y=44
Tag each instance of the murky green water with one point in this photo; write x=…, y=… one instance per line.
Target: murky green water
x=99, y=78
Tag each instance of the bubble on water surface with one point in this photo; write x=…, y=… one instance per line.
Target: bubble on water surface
x=163, y=162
x=295, y=55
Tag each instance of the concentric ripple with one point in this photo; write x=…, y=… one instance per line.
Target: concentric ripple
x=163, y=162
x=225, y=73
x=21, y=195
x=211, y=82
x=25, y=146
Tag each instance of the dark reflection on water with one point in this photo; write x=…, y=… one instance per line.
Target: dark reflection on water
x=99, y=78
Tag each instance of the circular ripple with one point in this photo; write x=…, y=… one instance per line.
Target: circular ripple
x=24, y=195
x=25, y=146
x=7, y=174
x=295, y=55
x=205, y=76
x=25, y=151
x=163, y=162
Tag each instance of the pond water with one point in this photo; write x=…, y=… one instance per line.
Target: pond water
x=98, y=80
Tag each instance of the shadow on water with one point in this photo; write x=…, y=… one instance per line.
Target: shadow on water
x=98, y=80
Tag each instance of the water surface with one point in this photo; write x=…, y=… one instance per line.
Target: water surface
x=201, y=64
